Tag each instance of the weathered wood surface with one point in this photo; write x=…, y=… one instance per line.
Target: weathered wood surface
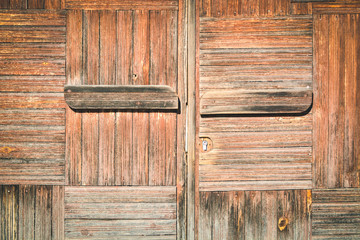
x=32, y=212
x=255, y=102
x=122, y=148
x=336, y=8
x=336, y=98
x=336, y=214
x=127, y=212
x=120, y=97
x=32, y=4
x=254, y=8
x=121, y=5
x=254, y=215
x=239, y=57
x=32, y=106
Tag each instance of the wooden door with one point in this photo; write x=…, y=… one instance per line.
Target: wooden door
x=91, y=174
x=261, y=140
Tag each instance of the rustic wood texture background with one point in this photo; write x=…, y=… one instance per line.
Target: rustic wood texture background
x=124, y=172
x=32, y=106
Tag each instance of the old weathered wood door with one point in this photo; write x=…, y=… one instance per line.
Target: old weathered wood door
x=264, y=142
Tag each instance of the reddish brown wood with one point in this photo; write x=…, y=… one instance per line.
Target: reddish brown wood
x=123, y=143
x=121, y=5
x=336, y=8
x=18, y=4
x=74, y=67
x=36, y=4
x=335, y=149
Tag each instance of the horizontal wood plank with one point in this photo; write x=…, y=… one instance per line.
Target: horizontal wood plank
x=32, y=100
x=121, y=4
x=336, y=8
x=42, y=117
x=17, y=84
x=115, y=229
x=120, y=97
x=32, y=18
x=255, y=102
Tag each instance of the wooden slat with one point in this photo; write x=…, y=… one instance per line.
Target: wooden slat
x=336, y=8
x=27, y=211
x=11, y=134
x=122, y=211
x=121, y=5
x=255, y=102
x=74, y=66
x=42, y=212
x=120, y=97
x=57, y=213
x=124, y=128
x=107, y=77
x=36, y=4
x=336, y=214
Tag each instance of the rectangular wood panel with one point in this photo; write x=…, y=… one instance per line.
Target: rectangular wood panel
x=32, y=106
x=122, y=147
x=336, y=96
x=336, y=213
x=254, y=215
x=246, y=66
x=32, y=212
x=126, y=212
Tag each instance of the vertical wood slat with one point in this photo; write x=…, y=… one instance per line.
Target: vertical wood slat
x=141, y=65
x=107, y=77
x=123, y=143
x=335, y=97
x=90, y=120
x=74, y=66
x=27, y=212
x=180, y=176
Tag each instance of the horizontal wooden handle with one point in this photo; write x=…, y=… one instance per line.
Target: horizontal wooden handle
x=139, y=97
x=255, y=102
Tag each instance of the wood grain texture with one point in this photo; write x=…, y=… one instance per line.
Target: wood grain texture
x=242, y=62
x=336, y=96
x=253, y=215
x=115, y=146
x=336, y=8
x=35, y=211
x=32, y=75
x=336, y=213
x=126, y=212
x=121, y=5
x=255, y=8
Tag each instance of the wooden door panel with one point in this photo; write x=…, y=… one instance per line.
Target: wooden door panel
x=32, y=75
x=336, y=97
x=247, y=54
x=255, y=215
x=139, y=49
x=120, y=212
